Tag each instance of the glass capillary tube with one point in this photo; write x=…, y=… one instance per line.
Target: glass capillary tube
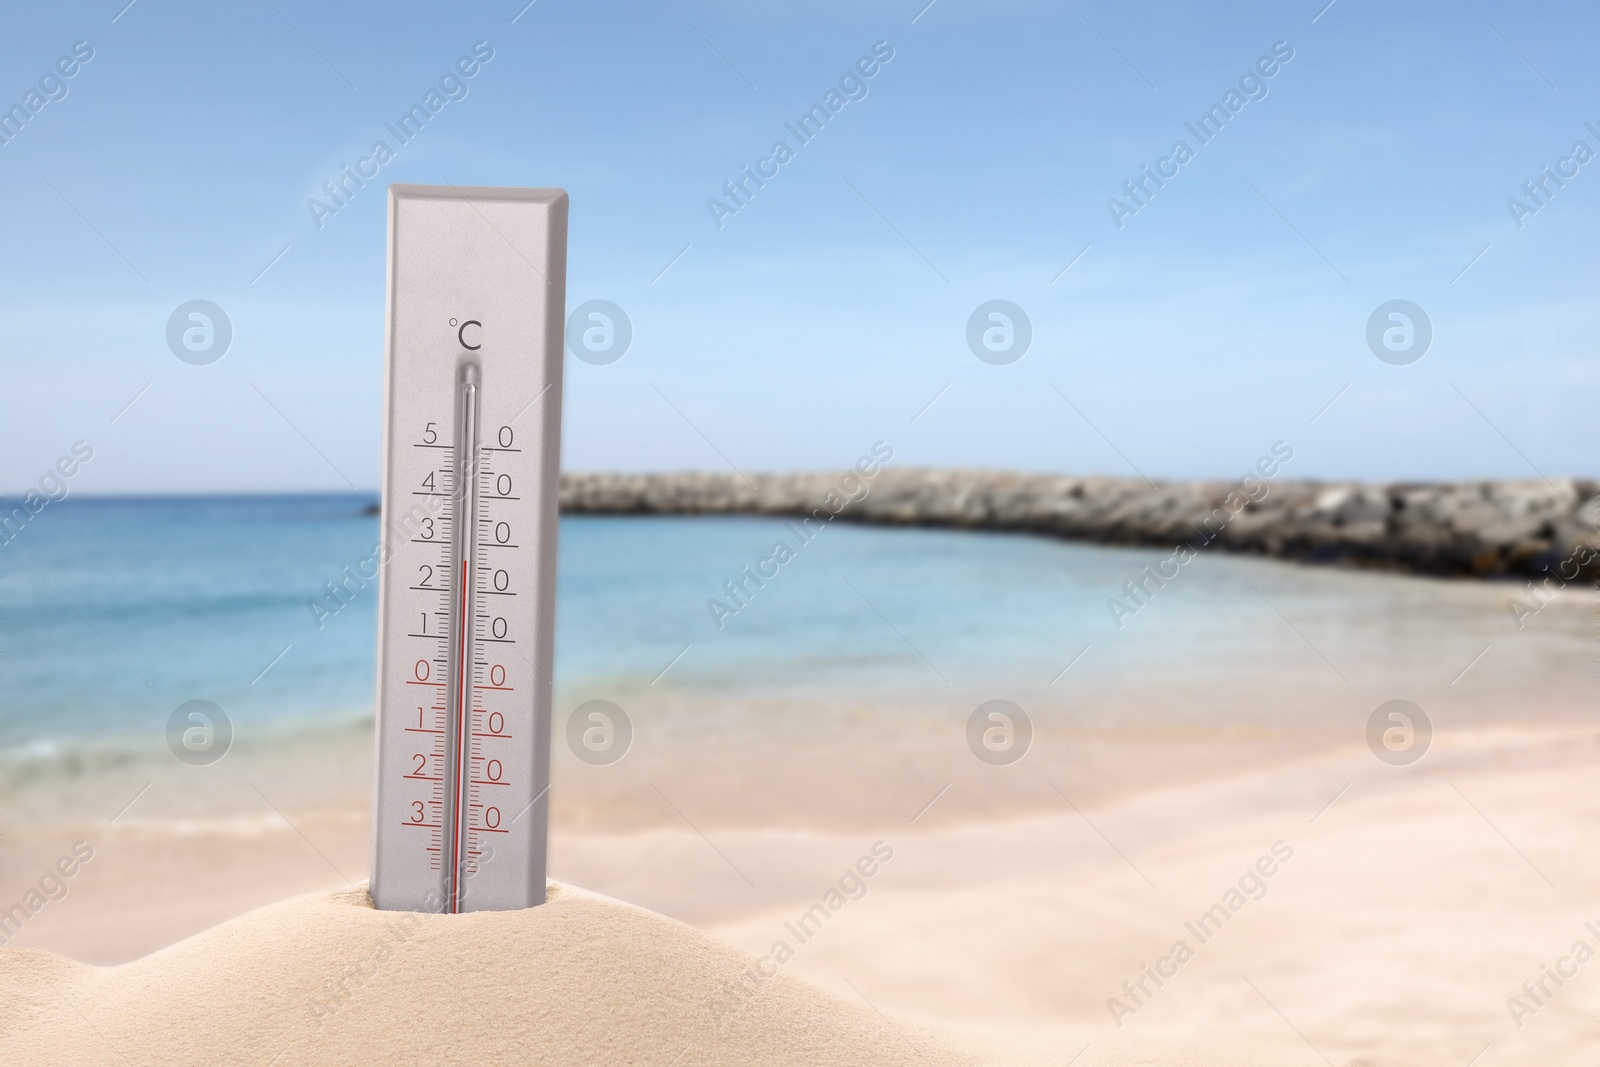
x=458, y=731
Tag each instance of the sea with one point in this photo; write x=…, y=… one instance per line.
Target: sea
x=114, y=611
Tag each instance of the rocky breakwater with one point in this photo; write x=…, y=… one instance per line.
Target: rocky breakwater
x=1549, y=531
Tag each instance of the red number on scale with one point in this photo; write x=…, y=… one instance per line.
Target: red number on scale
x=497, y=675
x=491, y=817
x=422, y=670
x=497, y=722
x=493, y=770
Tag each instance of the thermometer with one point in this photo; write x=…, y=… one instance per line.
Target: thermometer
x=466, y=601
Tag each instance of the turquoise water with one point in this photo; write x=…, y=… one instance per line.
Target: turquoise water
x=115, y=611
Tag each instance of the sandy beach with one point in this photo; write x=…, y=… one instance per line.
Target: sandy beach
x=1199, y=860
x=1404, y=907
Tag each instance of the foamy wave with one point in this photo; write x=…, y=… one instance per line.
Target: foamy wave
x=56, y=759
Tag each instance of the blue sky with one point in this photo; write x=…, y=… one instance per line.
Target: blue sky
x=1224, y=315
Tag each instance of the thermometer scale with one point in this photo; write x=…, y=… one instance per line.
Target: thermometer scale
x=466, y=601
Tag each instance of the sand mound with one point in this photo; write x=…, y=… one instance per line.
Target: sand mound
x=325, y=979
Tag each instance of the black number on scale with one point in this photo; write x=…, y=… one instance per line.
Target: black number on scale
x=427, y=576
x=502, y=485
x=427, y=483
x=429, y=435
x=427, y=529
x=498, y=627
x=502, y=532
x=505, y=437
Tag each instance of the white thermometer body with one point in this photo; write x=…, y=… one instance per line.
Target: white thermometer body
x=466, y=603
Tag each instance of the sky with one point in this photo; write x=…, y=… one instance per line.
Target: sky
x=1178, y=334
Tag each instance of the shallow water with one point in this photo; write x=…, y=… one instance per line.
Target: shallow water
x=117, y=610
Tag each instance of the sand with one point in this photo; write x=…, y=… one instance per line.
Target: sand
x=325, y=979
x=1414, y=904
